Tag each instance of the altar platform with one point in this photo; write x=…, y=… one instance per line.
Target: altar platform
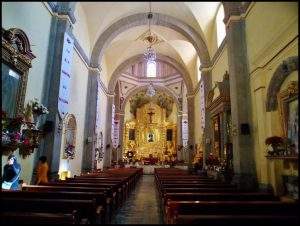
x=149, y=169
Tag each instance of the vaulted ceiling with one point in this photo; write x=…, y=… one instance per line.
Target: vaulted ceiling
x=198, y=15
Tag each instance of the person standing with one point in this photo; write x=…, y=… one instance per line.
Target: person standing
x=42, y=170
x=11, y=174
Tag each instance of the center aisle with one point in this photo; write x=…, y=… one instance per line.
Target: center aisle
x=142, y=206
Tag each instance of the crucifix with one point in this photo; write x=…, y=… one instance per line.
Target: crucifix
x=151, y=114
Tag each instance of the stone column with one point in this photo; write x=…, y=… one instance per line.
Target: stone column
x=191, y=126
x=51, y=145
x=90, y=122
x=107, y=152
x=206, y=77
x=179, y=134
x=243, y=153
x=121, y=131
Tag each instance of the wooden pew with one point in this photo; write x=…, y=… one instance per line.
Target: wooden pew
x=87, y=209
x=177, y=209
x=8, y=218
x=100, y=198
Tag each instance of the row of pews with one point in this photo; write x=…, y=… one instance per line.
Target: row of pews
x=91, y=198
x=194, y=199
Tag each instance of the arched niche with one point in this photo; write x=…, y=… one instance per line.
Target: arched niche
x=281, y=73
x=70, y=129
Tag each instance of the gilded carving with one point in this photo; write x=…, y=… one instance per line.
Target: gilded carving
x=16, y=53
x=150, y=128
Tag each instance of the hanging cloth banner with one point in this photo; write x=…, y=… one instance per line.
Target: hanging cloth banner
x=116, y=133
x=185, y=131
x=65, y=76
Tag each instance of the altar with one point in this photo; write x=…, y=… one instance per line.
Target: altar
x=149, y=169
x=151, y=133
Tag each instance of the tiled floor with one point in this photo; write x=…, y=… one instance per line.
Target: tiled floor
x=142, y=206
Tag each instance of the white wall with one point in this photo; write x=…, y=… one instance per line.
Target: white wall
x=20, y=15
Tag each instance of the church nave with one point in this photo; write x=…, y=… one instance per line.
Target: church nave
x=150, y=112
x=142, y=206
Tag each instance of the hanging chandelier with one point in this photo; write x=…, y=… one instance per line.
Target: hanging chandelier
x=150, y=91
x=150, y=54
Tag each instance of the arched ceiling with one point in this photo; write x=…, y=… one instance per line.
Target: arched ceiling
x=128, y=44
x=100, y=15
x=198, y=15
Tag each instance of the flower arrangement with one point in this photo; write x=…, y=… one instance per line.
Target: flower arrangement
x=70, y=151
x=212, y=160
x=38, y=108
x=16, y=133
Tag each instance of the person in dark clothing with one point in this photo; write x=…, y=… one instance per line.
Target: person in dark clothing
x=11, y=173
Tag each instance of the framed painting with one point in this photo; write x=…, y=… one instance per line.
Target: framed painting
x=288, y=103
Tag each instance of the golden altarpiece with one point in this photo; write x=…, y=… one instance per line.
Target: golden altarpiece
x=218, y=105
x=150, y=133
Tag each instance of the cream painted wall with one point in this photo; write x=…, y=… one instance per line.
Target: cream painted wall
x=77, y=107
x=104, y=73
x=276, y=25
x=269, y=27
x=127, y=115
x=197, y=112
x=20, y=15
x=103, y=122
x=80, y=29
x=220, y=66
x=173, y=116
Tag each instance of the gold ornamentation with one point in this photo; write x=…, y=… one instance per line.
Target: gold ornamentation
x=150, y=127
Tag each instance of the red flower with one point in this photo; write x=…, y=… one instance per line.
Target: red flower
x=274, y=140
x=26, y=141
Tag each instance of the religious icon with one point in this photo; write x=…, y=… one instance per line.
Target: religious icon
x=150, y=137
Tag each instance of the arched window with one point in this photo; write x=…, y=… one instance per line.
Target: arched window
x=151, y=69
x=221, y=31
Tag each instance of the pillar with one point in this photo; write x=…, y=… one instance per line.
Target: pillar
x=243, y=153
x=51, y=145
x=206, y=77
x=107, y=150
x=191, y=127
x=179, y=135
x=121, y=131
x=90, y=122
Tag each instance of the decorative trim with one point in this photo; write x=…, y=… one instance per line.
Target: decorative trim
x=284, y=97
x=261, y=87
x=17, y=54
x=283, y=70
x=245, y=11
x=52, y=5
x=218, y=52
x=286, y=46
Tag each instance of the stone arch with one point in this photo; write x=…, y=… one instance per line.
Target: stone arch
x=142, y=19
x=282, y=71
x=160, y=88
x=180, y=68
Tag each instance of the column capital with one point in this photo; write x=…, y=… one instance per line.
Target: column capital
x=204, y=69
x=68, y=9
